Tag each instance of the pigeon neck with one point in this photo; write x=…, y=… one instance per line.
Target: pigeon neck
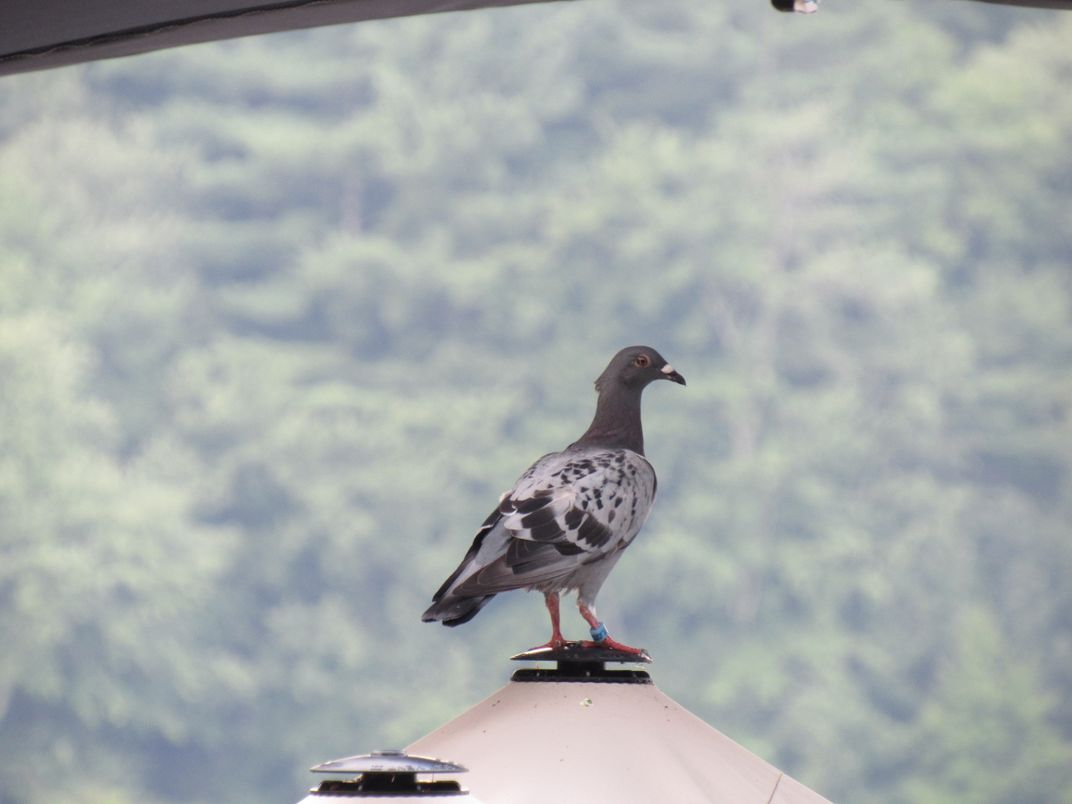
x=617, y=421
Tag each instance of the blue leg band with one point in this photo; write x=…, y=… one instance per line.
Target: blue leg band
x=599, y=633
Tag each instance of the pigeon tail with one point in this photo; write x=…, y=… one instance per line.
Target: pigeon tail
x=454, y=611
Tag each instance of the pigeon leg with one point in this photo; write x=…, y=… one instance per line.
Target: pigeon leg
x=557, y=641
x=600, y=638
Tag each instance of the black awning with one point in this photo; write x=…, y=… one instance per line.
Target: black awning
x=38, y=34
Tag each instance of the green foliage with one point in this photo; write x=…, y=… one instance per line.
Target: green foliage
x=281, y=317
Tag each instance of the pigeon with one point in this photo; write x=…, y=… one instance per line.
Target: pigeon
x=567, y=520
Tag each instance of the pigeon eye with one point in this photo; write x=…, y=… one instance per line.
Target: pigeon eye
x=641, y=361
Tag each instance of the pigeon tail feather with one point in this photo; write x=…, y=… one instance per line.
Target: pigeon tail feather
x=452, y=611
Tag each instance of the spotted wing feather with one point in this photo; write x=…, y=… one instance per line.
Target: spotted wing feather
x=569, y=511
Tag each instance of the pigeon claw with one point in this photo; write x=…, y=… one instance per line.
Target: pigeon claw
x=555, y=643
x=612, y=644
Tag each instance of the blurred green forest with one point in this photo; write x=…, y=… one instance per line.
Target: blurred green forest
x=281, y=317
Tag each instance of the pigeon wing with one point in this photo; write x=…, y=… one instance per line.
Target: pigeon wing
x=568, y=510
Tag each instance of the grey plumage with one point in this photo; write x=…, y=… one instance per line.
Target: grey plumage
x=564, y=524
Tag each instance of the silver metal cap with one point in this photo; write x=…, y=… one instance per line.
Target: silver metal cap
x=393, y=761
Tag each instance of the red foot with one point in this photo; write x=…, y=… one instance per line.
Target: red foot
x=552, y=645
x=556, y=642
x=612, y=644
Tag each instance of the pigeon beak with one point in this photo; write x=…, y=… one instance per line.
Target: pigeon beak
x=670, y=374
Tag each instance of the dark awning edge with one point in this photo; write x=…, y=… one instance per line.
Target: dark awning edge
x=1061, y=5
x=227, y=24
x=233, y=18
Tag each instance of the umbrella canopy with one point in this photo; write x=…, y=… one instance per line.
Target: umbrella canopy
x=617, y=739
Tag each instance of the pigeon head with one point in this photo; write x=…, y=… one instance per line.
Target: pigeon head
x=634, y=367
